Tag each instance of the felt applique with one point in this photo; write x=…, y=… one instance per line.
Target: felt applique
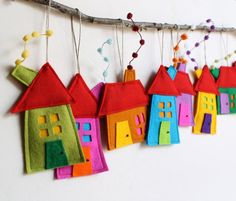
x=163, y=123
x=50, y=135
x=205, y=109
x=226, y=83
x=88, y=127
x=184, y=101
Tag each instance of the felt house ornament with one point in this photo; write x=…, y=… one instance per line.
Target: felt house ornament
x=163, y=123
x=226, y=83
x=85, y=111
x=50, y=135
x=206, y=109
x=124, y=105
x=184, y=101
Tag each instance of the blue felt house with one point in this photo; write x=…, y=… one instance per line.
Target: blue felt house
x=163, y=124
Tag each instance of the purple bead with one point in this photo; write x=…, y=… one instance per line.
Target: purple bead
x=206, y=37
x=212, y=27
x=188, y=52
x=208, y=20
x=195, y=67
x=192, y=59
x=197, y=44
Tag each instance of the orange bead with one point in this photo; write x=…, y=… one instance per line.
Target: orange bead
x=176, y=48
x=185, y=61
x=175, y=60
x=184, y=36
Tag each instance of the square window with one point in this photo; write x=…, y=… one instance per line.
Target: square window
x=169, y=114
x=43, y=133
x=232, y=105
x=211, y=107
x=161, y=105
x=87, y=138
x=161, y=114
x=139, y=131
x=232, y=97
x=169, y=104
x=57, y=130
x=204, y=106
x=42, y=119
x=211, y=100
x=205, y=98
x=87, y=127
x=77, y=125
x=54, y=118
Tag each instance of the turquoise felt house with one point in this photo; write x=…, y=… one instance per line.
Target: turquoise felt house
x=163, y=124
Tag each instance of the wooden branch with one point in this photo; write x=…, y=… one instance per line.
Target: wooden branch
x=108, y=21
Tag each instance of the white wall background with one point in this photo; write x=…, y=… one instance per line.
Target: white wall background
x=201, y=168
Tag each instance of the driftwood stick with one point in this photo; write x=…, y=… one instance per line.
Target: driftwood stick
x=108, y=21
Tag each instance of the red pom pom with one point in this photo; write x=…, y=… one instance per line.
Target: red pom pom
x=135, y=55
x=135, y=28
x=129, y=16
x=142, y=42
x=130, y=67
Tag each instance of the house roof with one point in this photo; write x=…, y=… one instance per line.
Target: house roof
x=46, y=90
x=206, y=82
x=183, y=83
x=163, y=84
x=85, y=105
x=227, y=77
x=122, y=96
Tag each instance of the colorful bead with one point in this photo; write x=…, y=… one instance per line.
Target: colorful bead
x=105, y=59
x=129, y=16
x=18, y=62
x=35, y=34
x=109, y=41
x=135, y=28
x=184, y=36
x=49, y=33
x=208, y=20
x=130, y=67
x=195, y=67
x=206, y=37
x=188, y=52
x=135, y=55
x=142, y=42
x=26, y=38
x=193, y=60
x=176, y=48
x=25, y=54
x=197, y=44
x=99, y=50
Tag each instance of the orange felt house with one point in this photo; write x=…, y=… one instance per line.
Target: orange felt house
x=124, y=105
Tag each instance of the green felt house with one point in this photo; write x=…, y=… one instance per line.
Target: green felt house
x=50, y=134
x=226, y=82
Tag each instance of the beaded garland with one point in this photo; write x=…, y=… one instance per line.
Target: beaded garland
x=135, y=28
x=197, y=44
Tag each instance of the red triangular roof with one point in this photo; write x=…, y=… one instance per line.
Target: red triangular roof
x=163, y=84
x=46, y=90
x=206, y=82
x=227, y=77
x=183, y=83
x=85, y=105
x=123, y=96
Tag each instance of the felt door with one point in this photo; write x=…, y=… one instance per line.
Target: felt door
x=184, y=114
x=206, y=126
x=224, y=103
x=123, y=134
x=164, y=134
x=55, y=154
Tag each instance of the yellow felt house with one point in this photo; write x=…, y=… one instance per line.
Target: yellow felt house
x=205, y=108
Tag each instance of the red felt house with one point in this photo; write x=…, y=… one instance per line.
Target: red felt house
x=124, y=105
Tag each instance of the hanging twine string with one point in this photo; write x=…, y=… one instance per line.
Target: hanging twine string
x=48, y=8
x=120, y=50
x=77, y=46
x=161, y=43
x=205, y=52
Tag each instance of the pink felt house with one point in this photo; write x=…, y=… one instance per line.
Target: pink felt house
x=184, y=101
x=85, y=112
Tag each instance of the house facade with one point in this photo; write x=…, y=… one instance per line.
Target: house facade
x=163, y=123
x=50, y=136
x=206, y=108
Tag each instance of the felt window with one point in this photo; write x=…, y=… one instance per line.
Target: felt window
x=161, y=105
x=211, y=107
x=87, y=138
x=77, y=125
x=169, y=114
x=43, y=133
x=205, y=98
x=169, y=104
x=139, y=131
x=142, y=119
x=54, y=118
x=42, y=119
x=232, y=105
x=204, y=106
x=57, y=130
x=161, y=114
x=87, y=127
x=137, y=120
x=232, y=97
